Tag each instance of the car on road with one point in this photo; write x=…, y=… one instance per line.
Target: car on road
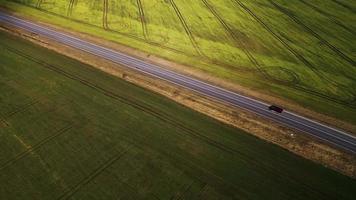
x=276, y=108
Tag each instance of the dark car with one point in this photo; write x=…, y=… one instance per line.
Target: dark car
x=276, y=108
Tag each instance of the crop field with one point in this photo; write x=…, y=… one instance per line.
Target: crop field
x=300, y=50
x=69, y=131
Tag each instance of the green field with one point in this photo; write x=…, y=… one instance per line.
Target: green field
x=300, y=50
x=68, y=130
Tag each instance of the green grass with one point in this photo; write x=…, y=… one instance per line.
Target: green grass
x=300, y=50
x=69, y=130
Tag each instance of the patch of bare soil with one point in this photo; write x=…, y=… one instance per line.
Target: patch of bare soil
x=289, y=139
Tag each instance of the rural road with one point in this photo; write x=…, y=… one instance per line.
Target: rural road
x=325, y=133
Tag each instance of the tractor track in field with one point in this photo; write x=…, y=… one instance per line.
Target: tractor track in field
x=21, y=109
x=142, y=19
x=133, y=103
x=293, y=81
x=186, y=28
x=202, y=191
x=348, y=103
x=333, y=48
x=70, y=8
x=180, y=194
x=3, y=122
x=117, y=32
x=344, y=5
x=268, y=170
x=277, y=37
x=331, y=17
x=69, y=193
x=308, y=90
x=261, y=69
x=227, y=29
x=231, y=67
x=163, y=117
x=177, y=161
x=105, y=14
x=133, y=189
x=39, y=3
x=35, y=147
x=177, y=192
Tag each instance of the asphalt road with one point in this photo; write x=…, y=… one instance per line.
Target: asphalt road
x=325, y=133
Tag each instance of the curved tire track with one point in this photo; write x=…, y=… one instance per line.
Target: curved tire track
x=242, y=44
x=349, y=103
x=261, y=69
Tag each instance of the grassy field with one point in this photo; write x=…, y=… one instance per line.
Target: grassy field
x=300, y=50
x=68, y=130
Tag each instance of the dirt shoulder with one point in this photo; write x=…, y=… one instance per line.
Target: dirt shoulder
x=289, y=139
